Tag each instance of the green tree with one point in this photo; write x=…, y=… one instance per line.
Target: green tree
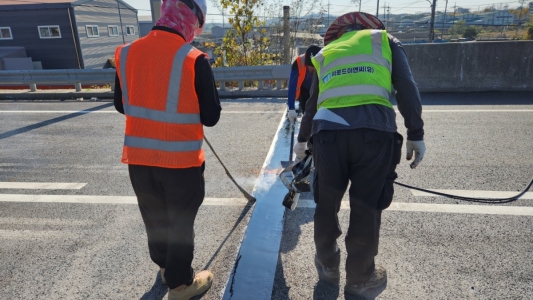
x=529, y=29
x=470, y=33
x=247, y=43
x=458, y=28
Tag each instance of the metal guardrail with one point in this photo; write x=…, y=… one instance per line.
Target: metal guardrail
x=58, y=77
x=261, y=74
x=33, y=78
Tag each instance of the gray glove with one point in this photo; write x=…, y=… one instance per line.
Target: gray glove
x=299, y=150
x=416, y=147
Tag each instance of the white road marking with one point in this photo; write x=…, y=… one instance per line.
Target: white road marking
x=42, y=185
x=38, y=234
x=475, y=110
x=113, y=111
x=105, y=199
x=473, y=194
x=46, y=222
x=254, y=111
x=57, y=111
x=443, y=208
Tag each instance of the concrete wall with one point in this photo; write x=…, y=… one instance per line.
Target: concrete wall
x=472, y=66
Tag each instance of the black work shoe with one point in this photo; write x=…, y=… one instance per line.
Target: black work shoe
x=330, y=275
x=378, y=279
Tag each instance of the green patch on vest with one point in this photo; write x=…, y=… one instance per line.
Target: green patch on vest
x=346, y=71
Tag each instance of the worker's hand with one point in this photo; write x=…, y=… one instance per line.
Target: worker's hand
x=299, y=150
x=416, y=147
x=292, y=115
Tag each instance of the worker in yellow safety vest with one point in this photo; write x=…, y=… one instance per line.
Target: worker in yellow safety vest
x=351, y=123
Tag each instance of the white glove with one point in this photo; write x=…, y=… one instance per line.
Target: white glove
x=419, y=149
x=299, y=150
x=292, y=115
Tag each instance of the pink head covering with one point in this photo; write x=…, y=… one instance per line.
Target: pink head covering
x=178, y=16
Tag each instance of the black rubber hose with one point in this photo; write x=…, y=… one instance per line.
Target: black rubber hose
x=243, y=191
x=470, y=199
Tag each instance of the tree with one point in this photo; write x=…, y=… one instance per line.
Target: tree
x=458, y=28
x=529, y=30
x=303, y=23
x=247, y=43
x=470, y=33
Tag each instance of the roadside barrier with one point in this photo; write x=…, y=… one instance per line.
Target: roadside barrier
x=257, y=81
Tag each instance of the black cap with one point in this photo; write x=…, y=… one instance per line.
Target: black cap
x=310, y=52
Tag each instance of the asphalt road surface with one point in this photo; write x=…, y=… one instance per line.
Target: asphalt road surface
x=70, y=227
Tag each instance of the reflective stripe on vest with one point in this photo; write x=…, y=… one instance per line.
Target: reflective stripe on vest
x=302, y=71
x=154, y=144
x=170, y=115
x=355, y=70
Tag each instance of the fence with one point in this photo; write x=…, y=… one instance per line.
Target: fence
x=439, y=67
x=273, y=76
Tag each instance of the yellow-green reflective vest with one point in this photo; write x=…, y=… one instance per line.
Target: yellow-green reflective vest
x=355, y=70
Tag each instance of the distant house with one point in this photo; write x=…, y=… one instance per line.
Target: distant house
x=145, y=25
x=68, y=34
x=219, y=32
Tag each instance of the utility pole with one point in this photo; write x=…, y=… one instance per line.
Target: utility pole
x=360, y=4
x=377, y=10
x=443, y=21
x=328, y=12
x=519, y=16
x=385, y=12
x=122, y=27
x=453, y=21
x=388, y=19
x=432, y=21
x=286, y=36
x=155, y=7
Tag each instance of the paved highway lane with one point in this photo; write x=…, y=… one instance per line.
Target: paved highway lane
x=475, y=142
x=86, y=240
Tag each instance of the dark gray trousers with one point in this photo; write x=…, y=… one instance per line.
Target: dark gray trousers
x=362, y=157
x=169, y=200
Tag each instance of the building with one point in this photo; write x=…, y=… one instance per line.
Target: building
x=68, y=34
x=145, y=25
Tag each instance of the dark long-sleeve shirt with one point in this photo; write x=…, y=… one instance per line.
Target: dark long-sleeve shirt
x=204, y=84
x=373, y=116
x=293, y=85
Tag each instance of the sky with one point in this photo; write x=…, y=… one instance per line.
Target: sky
x=338, y=7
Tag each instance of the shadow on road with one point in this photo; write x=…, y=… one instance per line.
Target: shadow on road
x=325, y=291
x=158, y=290
x=51, y=121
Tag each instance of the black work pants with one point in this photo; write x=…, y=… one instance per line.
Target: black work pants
x=362, y=157
x=304, y=95
x=169, y=200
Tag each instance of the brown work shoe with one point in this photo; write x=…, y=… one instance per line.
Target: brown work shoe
x=330, y=275
x=378, y=279
x=163, y=276
x=201, y=283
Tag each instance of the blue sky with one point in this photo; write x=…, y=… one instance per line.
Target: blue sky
x=337, y=7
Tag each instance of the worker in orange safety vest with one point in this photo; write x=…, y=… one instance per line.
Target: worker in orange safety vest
x=300, y=81
x=164, y=135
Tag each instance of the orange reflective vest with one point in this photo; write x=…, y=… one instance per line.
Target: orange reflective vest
x=163, y=126
x=302, y=70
